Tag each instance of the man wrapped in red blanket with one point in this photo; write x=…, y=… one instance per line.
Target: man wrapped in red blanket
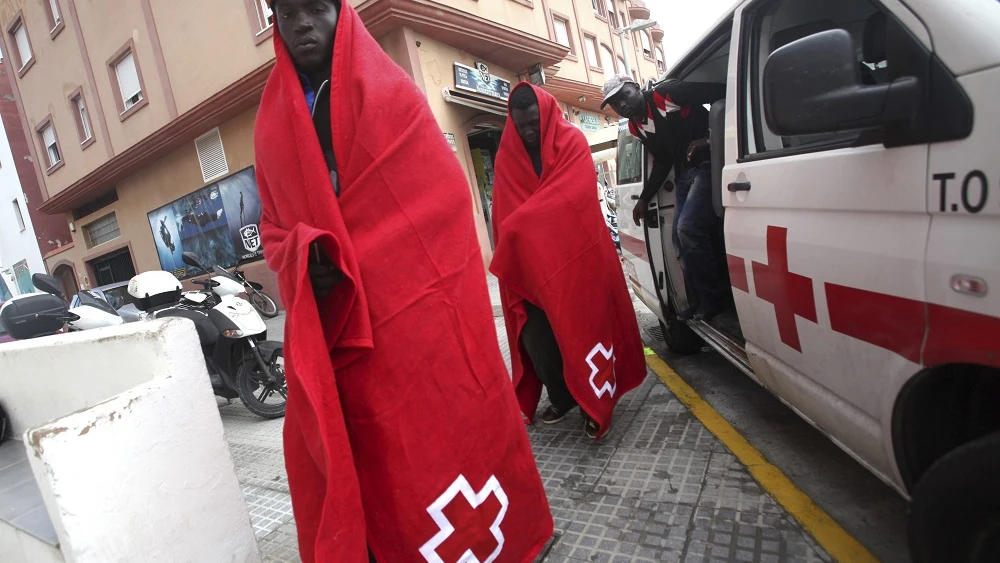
x=402, y=435
x=568, y=313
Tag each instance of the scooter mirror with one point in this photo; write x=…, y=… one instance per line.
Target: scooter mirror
x=190, y=259
x=48, y=284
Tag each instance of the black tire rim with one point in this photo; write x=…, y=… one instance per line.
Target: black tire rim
x=264, y=304
x=267, y=393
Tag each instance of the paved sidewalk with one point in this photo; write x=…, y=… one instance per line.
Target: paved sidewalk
x=659, y=487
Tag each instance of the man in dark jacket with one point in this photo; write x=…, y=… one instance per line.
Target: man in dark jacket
x=671, y=122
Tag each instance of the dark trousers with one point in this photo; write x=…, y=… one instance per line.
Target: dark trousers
x=694, y=228
x=539, y=343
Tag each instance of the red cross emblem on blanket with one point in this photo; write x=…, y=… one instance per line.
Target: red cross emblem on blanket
x=791, y=294
x=602, y=370
x=468, y=522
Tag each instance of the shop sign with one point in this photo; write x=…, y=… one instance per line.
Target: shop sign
x=219, y=223
x=590, y=122
x=480, y=81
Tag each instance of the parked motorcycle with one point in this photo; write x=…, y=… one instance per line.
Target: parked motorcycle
x=241, y=363
x=255, y=294
x=33, y=315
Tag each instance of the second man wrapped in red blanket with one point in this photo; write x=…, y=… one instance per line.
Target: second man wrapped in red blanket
x=569, y=317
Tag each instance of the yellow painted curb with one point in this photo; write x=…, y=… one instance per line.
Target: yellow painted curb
x=821, y=526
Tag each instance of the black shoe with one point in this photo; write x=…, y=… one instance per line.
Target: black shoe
x=688, y=314
x=708, y=313
x=590, y=426
x=553, y=415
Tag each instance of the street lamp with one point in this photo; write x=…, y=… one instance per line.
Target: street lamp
x=637, y=25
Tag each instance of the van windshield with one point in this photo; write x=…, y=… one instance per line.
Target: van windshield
x=629, y=157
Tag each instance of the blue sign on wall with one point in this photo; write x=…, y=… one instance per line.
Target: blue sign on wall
x=480, y=81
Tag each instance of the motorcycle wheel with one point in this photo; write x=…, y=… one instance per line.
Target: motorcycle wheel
x=264, y=394
x=263, y=303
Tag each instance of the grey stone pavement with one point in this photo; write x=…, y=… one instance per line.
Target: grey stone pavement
x=659, y=487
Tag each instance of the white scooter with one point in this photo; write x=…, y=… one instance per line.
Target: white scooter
x=241, y=362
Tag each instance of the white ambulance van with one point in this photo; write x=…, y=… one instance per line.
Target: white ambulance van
x=856, y=171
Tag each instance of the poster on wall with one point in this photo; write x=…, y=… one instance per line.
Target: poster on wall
x=219, y=223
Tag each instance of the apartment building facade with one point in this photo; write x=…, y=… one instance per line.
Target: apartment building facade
x=142, y=111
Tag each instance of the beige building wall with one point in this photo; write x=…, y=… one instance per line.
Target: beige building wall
x=207, y=46
x=165, y=180
x=107, y=26
x=48, y=53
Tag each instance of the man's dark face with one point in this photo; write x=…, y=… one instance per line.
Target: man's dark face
x=308, y=28
x=629, y=102
x=529, y=126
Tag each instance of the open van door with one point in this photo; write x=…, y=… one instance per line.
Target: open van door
x=641, y=270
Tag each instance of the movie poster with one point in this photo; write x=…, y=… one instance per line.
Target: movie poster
x=218, y=223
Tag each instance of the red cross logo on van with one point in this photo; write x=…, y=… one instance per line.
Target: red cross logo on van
x=790, y=293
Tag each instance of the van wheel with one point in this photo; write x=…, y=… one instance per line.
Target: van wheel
x=678, y=335
x=955, y=514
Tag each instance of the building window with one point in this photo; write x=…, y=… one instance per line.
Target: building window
x=50, y=144
x=127, y=77
x=607, y=59
x=563, y=35
x=660, y=64
x=261, y=19
x=621, y=16
x=264, y=14
x=610, y=5
x=102, y=230
x=647, y=50
x=17, y=214
x=591, y=45
x=55, y=17
x=82, y=117
x=18, y=33
x=599, y=8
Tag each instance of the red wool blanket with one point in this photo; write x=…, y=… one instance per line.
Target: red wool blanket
x=402, y=431
x=553, y=249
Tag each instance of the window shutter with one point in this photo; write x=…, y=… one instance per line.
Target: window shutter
x=562, y=32
x=592, y=59
x=56, y=16
x=23, y=47
x=211, y=155
x=48, y=136
x=128, y=79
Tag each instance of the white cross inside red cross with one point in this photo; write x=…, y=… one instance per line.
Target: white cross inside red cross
x=468, y=522
x=602, y=370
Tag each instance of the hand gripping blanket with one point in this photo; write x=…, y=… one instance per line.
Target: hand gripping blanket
x=553, y=250
x=402, y=432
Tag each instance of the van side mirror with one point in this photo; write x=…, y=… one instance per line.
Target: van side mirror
x=813, y=85
x=48, y=284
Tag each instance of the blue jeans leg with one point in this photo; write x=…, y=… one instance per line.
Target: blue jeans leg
x=696, y=223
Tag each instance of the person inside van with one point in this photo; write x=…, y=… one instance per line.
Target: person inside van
x=672, y=123
x=568, y=313
x=397, y=391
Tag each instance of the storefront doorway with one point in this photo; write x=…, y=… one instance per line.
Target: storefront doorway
x=67, y=278
x=484, y=142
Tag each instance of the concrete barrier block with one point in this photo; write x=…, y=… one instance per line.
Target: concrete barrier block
x=146, y=475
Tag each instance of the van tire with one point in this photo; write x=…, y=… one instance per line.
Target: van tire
x=955, y=513
x=678, y=335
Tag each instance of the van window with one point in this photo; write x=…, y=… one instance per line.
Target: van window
x=779, y=23
x=629, y=158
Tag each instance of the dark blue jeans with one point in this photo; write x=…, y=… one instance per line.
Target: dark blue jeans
x=694, y=227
